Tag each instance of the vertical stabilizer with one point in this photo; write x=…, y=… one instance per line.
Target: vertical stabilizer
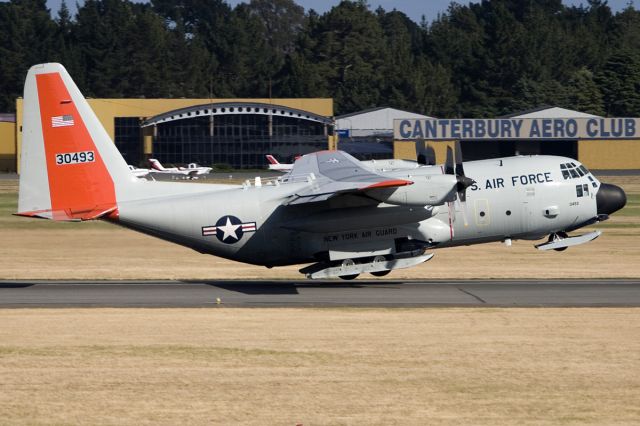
x=70, y=167
x=156, y=165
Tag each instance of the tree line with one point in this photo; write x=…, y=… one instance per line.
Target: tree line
x=480, y=60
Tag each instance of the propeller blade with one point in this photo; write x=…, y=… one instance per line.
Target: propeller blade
x=431, y=155
x=458, y=157
x=452, y=217
x=425, y=154
x=420, y=154
x=463, y=182
x=463, y=207
x=448, y=165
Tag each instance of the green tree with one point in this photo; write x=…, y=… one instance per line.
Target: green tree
x=351, y=54
x=302, y=75
x=26, y=38
x=456, y=42
x=584, y=94
x=619, y=82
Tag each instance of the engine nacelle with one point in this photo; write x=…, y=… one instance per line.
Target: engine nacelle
x=435, y=230
x=428, y=190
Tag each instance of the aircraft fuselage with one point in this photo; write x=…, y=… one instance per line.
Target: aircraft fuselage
x=512, y=198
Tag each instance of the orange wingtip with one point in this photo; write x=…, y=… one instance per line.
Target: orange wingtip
x=389, y=184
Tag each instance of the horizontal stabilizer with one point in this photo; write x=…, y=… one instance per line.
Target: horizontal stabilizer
x=88, y=213
x=569, y=241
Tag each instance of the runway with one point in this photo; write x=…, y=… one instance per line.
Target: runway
x=359, y=293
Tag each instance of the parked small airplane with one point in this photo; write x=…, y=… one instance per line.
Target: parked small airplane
x=344, y=216
x=276, y=165
x=191, y=170
x=138, y=172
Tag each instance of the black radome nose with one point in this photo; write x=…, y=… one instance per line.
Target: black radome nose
x=610, y=198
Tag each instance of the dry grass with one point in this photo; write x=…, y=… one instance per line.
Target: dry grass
x=41, y=249
x=320, y=366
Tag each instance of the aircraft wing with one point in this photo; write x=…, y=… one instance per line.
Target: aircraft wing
x=336, y=173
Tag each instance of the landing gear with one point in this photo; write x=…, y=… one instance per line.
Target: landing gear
x=558, y=236
x=348, y=277
x=379, y=260
x=346, y=264
x=349, y=269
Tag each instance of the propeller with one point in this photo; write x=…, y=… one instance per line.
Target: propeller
x=425, y=155
x=463, y=182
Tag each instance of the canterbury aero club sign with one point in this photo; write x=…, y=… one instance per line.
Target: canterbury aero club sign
x=517, y=128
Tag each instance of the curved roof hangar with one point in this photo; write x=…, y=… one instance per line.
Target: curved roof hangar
x=234, y=108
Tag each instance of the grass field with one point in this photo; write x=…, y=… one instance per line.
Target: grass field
x=320, y=366
x=35, y=248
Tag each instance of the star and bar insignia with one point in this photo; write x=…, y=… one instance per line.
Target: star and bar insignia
x=229, y=229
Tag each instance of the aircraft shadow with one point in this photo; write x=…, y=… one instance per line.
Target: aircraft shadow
x=287, y=287
x=16, y=285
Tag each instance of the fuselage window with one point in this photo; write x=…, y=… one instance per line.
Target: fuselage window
x=579, y=190
x=585, y=188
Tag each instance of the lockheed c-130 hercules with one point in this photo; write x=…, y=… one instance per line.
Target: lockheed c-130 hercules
x=344, y=216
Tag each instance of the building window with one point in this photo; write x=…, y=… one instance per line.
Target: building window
x=239, y=140
x=128, y=139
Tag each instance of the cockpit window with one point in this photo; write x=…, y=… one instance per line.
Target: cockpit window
x=572, y=171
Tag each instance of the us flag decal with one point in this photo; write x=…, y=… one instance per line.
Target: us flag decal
x=62, y=121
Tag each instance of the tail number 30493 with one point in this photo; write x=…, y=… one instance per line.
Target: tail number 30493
x=75, y=157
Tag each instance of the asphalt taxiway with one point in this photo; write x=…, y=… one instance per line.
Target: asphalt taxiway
x=397, y=293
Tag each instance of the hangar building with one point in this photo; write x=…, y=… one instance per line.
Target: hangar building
x=368, y=134
x=238, y=132
x=232, y=132
x=600, y=143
